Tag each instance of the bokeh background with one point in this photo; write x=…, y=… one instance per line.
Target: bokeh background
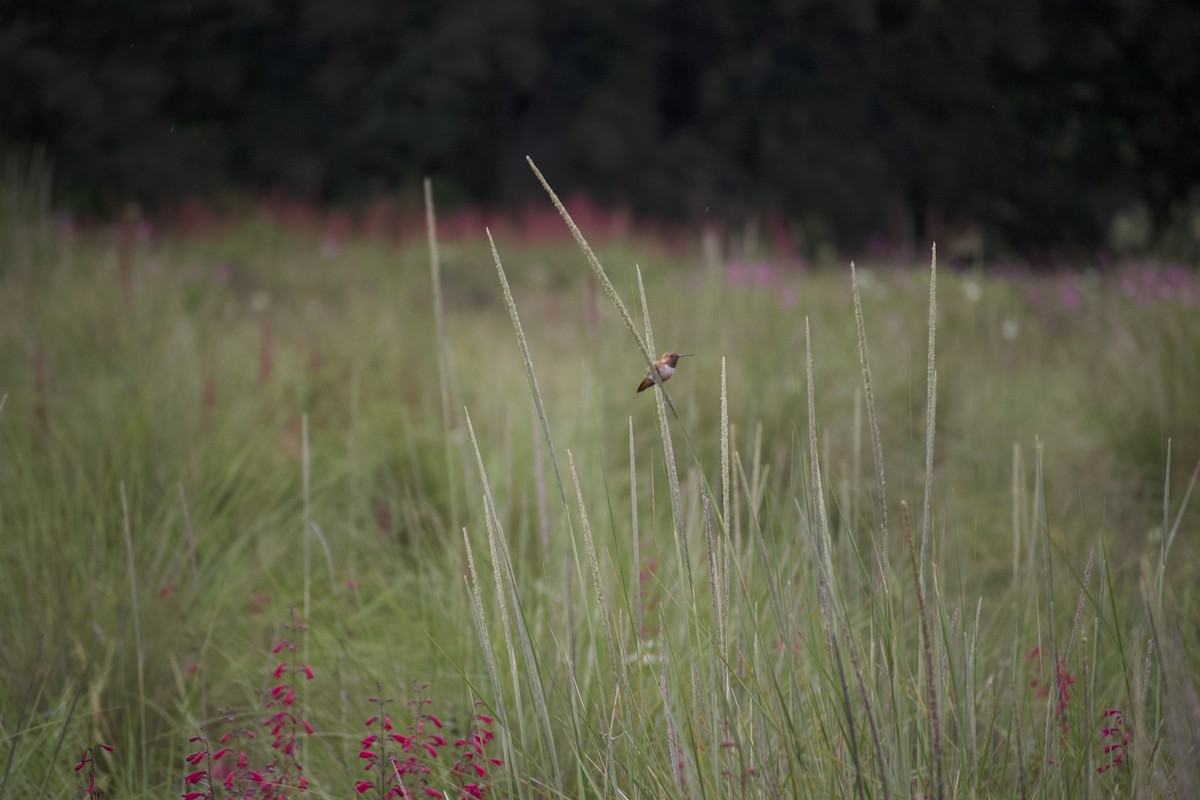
x=244, y=388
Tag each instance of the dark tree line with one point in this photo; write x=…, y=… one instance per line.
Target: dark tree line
x=1035, y=121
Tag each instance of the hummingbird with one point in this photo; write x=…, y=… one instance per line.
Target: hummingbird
x=665, y=367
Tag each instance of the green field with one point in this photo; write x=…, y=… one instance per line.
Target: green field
x=208, y=435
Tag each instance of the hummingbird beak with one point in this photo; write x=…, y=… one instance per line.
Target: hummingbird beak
x=683, y=355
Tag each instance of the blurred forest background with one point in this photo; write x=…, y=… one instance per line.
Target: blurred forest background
x=241, y=381
x=1040, y=128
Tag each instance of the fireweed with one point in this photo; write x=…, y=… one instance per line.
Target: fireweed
x=226, y=773
x=284, y=770
x=1062, y=679
x=403, y=763
x=1062, y=684
x=88, y=761
x=1114, y=738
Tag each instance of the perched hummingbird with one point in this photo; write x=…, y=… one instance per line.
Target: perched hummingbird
x=665, y=367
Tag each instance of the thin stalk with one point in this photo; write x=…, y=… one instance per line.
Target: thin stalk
x=308, y=526
x=1016, y=514
x=137, y=621
x=1043, y=529
x=930, y=666
x=930, y=409
x=885, y=569
x=1162, y=538
x=505, y=575
x=435, y=275
x=725, y=484
x=597, y=578
x=880, y=761
x=681, y=545
x=825, y=584
x=304, y=466
x=601, y=275
x=489, y=657
x=637, y=546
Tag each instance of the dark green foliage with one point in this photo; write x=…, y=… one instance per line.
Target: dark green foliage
x=1034, y=122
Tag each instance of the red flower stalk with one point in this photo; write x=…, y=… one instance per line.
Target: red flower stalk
x=88, y=761
x=416, y=763
x=373, y=749
x=472, y=764
x=1063, y=681
x=201, y=778
x=284, y=772
x=282, y=775
x=1114, y=737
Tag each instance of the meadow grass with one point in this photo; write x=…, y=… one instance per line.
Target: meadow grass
x=232, y=458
